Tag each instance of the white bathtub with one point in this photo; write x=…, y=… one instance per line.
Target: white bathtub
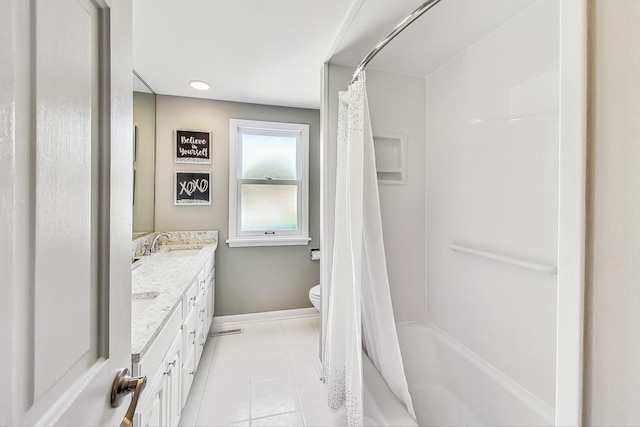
x=381, y=408
x=451, y=386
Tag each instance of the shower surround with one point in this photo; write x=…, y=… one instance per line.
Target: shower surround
x=484, y=171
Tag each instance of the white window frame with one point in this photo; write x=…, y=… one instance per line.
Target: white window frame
x=300, y=236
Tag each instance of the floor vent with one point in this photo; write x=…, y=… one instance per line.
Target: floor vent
x=226, y=332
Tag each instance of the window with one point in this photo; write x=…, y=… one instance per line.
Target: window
x=268, y=183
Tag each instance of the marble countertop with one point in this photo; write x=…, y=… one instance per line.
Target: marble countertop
x=167, y=277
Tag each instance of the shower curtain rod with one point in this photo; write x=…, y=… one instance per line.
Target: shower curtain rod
x=397, y=30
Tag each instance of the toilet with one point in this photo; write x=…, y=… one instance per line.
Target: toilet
x=314, y=296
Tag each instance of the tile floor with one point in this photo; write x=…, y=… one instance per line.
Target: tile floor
x=266, y=376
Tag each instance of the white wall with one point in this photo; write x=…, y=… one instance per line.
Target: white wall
x=612, y=314
x=248, y=280
x=397, y=106
x=492, y=183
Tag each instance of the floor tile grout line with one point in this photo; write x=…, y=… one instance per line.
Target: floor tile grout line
x=305, y=328
x=295, y=382
x=250, y=400
x=212, y=342
x=293, y=379
x=275, y=415
x=251, y=382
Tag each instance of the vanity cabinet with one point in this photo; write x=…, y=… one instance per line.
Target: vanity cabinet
x=172, y=358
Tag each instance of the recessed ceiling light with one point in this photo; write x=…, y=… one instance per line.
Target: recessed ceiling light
x=199, y=84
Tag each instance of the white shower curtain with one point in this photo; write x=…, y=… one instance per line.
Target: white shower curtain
x=360, y=312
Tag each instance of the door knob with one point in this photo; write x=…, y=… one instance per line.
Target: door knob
x=123, y=384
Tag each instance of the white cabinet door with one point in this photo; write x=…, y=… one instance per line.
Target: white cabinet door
x=189, y=331
x=188, y=372
x=152, y=410
x=210, y=300
x=65, y=213
x=152, y=413
x=201, y=313
x=200, y=342
x=162, y=403
x=173, y=385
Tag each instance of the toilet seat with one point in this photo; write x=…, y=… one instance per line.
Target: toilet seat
x=315, y=291
x=314, y=296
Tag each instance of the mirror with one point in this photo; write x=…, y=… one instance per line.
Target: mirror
x=144, y=137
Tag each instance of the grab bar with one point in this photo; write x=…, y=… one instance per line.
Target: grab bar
x=543, y=268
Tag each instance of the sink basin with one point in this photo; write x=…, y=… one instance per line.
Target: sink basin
x=136, y=262
x=139, y=303
x=182, y=252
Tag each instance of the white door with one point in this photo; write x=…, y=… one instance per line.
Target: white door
x=65, y=217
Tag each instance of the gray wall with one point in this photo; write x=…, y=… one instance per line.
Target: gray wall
x=612, y=322
x=144, y=118
x=248, y=280
x=397, y=106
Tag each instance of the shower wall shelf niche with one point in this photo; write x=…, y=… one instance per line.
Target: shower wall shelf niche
x=390, y=158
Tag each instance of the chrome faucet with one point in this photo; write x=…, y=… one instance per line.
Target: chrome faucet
x=145, y=250
x=154, y=243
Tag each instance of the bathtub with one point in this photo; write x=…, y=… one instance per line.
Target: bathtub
x=451, y=386
x=380, y=406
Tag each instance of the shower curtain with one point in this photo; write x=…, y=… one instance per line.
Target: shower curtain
x=360, y=314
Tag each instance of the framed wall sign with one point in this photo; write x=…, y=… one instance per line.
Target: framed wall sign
x=192, y=188
x=193, y=146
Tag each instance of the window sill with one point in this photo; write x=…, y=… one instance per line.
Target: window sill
x=268, y=241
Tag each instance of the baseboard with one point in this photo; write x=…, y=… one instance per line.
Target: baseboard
x=220, y=321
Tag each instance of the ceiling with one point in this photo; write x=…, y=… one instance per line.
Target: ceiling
x=271, y=51
x=435, y=38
